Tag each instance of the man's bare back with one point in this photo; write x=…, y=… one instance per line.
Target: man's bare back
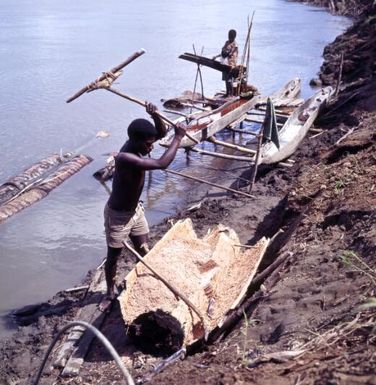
x=127, y=184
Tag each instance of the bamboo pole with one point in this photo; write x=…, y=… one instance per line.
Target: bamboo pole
x=106, y=74
x=169, y=285
x=212, y=139
x=209, y=183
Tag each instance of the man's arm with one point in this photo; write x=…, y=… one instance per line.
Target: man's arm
x=160, y=126
x=163, y=162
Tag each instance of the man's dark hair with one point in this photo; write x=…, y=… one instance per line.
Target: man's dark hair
x=141, y=129
x=232, y=34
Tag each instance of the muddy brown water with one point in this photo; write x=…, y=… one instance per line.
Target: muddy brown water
x=51, y=49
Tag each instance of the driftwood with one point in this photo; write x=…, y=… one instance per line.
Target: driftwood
x=40, y=188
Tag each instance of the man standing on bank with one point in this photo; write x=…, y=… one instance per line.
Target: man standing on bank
x=124, y=214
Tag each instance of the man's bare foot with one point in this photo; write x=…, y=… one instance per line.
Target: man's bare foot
x=105, y=305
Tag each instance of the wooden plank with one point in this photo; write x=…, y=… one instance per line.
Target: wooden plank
x=88, y=313
x=205, y=61
x=77, y=357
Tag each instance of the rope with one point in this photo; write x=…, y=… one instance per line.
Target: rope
x=107, y=344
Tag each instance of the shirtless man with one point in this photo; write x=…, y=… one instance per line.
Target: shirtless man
x=124, y=213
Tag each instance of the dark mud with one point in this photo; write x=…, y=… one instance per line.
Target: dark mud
x=305, y=322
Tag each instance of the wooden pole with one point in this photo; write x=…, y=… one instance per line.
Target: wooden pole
x=142, y=103
x=106, y=74
x=246, y=53
x=255, y=166
x=249, y=47
x=339, y=76
x=169, y=285
x=223, y=156
x=243, y=131
x=212, y=139
x=209, y=183
x=198, y=73
x=259, y=121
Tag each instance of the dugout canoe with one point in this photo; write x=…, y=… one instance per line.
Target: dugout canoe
x=37, y=181
x=213, y=272
x=202, y=125
x=295, y=128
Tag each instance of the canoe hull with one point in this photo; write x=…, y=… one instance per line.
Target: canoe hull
x=295, y=128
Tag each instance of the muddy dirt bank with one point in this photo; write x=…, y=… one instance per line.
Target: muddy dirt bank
x=304, y=323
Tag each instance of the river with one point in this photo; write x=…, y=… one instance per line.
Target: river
x=49, y=49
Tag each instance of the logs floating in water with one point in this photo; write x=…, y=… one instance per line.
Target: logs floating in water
x=37, y=181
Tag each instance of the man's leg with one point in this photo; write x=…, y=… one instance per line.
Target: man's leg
x=140, y=243
x=110, y=274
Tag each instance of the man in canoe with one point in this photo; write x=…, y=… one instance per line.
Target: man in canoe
x=229, y=56
x=124, y=214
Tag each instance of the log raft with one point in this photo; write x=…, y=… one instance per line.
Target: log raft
x=36, y=182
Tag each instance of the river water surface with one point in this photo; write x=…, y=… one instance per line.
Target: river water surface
x=49, y=49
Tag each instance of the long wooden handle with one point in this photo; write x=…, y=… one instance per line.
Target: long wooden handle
x=103, y=76
x=142, y=103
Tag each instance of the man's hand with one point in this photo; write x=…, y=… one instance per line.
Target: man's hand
x=151, y=109
x=180, y=129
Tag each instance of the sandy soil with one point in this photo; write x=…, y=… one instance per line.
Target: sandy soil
x=304, y=322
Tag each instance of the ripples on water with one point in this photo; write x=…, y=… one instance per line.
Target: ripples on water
x=50, y=49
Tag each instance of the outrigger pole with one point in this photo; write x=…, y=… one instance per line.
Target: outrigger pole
x=209, y=183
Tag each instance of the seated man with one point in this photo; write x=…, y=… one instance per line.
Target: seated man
x=124, y=213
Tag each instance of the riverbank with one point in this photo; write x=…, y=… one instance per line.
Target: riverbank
x=325, y=205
